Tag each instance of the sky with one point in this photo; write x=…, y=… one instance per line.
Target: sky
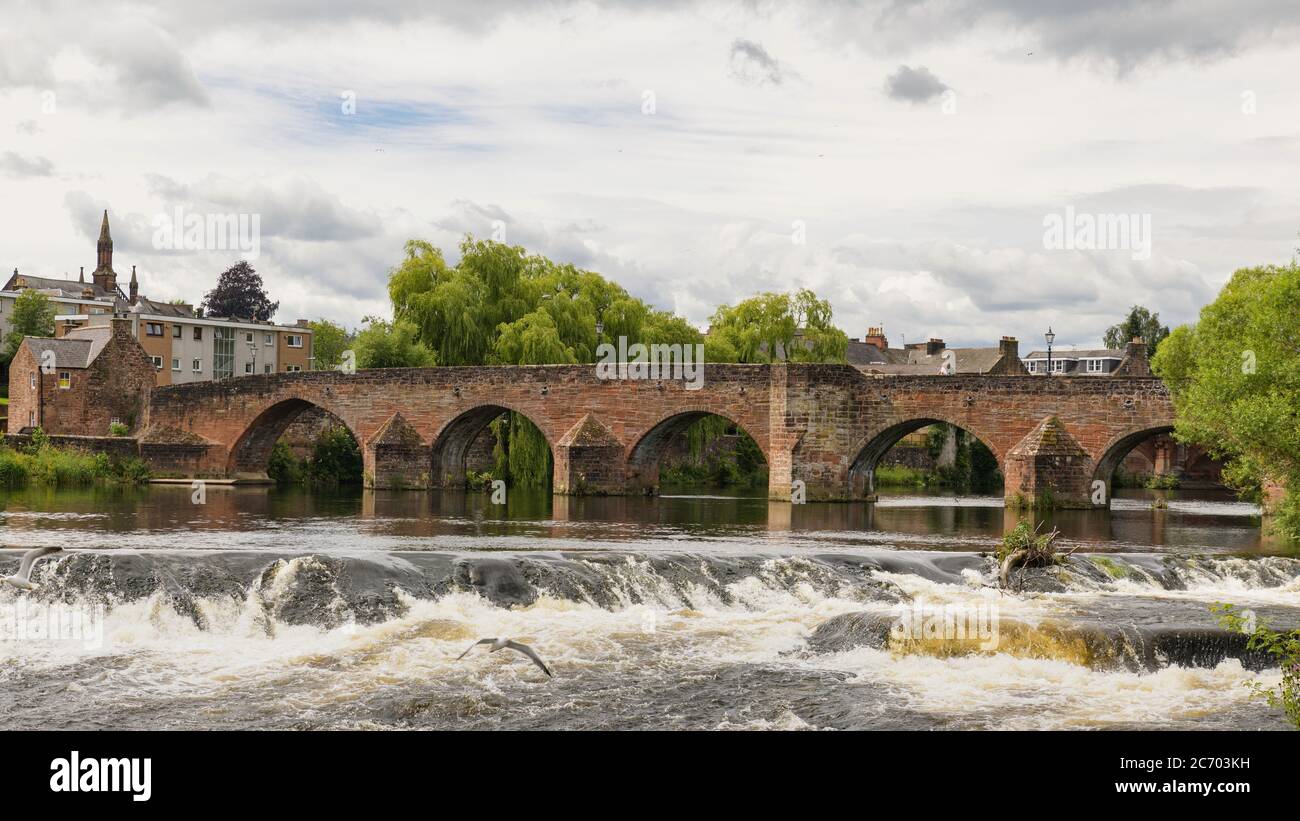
x=903, y=159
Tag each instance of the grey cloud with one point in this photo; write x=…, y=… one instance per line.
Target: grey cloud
x=914, y=85
x=294, y=209
x=18, y=166
x=1118, y=35
x=752, y=65
x=29, y=127
x=138, y=65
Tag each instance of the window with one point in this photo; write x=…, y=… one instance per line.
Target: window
x=176, y=364
x=32, y=381
x=1094, y=366
x=266, y=369
x=65, y=380
x=153, y=329
x=248, y=337
x=248, y=367
x=31, y=419
x=198, y=333
x=176, y=332
x=1031, y=366
x=292, y=368
x=1058, y=366
x=197, y=365
x=266, y=339
x=157, y=362
x=293, y=340
x=223, y=353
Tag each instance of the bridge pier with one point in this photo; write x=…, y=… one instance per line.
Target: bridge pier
x=1048, y=469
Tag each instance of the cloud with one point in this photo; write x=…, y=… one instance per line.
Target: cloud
x=17, y=166
x=913, y=85
x=128, y=64
x=29, y=127
x=752, y=65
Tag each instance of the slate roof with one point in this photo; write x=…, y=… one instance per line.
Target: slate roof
x=64, y=288
x=76, y=350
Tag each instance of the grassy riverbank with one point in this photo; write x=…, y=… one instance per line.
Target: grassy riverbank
x=44, y=464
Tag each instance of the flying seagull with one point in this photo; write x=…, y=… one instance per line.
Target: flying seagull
x=23, y=578
x=503, y=643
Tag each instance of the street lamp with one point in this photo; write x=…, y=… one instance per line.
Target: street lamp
x=252, y=349
x=1049, y=336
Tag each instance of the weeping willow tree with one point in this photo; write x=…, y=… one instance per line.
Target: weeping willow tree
x=500, y=305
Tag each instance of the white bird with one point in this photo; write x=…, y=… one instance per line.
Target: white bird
x=503, y=643
x=23, y=578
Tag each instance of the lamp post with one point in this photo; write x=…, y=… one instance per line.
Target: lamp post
x=252, y=349
x=1049, y=336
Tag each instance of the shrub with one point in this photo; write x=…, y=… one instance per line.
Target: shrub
x=118, y=429
x=1285, y=647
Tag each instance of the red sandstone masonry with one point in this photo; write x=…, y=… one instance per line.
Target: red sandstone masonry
x=822, y=424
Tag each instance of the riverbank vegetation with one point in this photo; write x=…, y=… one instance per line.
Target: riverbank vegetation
x=969, y=467
x=1284, y=647
x=41, y=463
x=718, y=454
x=1234, y=376
x=335, y=460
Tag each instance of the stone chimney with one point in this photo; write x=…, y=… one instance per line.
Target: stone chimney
x=121, y=325
x=933, y=346
x=1008, y=358
x=304, y=323
x=1135, y=361
x=876, y=338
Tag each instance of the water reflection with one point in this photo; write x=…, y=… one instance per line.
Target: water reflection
x=291, y=518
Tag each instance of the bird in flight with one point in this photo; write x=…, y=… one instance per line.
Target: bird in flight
x=23, y=578
x=505, y=643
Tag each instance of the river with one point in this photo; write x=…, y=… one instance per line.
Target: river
x=280, y=608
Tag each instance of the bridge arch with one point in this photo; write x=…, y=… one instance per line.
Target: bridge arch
x=1117, y=448
x=645, y=455
x=872, y=447
x=251, y=453
x=451, y=444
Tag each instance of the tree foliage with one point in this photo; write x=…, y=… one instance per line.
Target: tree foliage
x=385, y=344
x=239, y=293
x=328, y=342
x=503, y=306
x=1140, y=323
x=774, y=327
x=1235, y=380
x=33, y=315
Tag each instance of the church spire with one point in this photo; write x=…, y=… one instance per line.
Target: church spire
x=104, y=276
x=135, y=287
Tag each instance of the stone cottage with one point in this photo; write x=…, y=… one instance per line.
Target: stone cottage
x=82, y=383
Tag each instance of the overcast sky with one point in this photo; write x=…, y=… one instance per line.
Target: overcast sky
x=899, y=158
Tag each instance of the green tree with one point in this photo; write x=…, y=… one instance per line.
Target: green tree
x=776, y=327
x=1235, y=380
x=385, y=344
x=33, y=315
x=1139, y=323
x=329, y=341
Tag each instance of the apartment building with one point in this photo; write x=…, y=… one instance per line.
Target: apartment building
x=183, y=346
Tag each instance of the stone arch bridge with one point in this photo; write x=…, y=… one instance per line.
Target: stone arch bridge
x=823, y=425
